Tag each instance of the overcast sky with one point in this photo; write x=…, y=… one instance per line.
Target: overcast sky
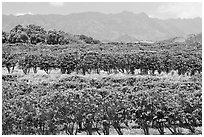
x=153, y=9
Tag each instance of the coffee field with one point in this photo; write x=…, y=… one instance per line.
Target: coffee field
x=56, y=86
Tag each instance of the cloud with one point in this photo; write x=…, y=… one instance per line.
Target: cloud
x=179, y=10
x=20, y=14
x=57, y=4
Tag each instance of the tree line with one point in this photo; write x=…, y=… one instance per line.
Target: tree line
x=89, y=62
x=34, y=34
x=20, y=49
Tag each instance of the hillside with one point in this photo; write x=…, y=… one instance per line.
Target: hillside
x=194, y=38
x=189, y=39
x=110, y=27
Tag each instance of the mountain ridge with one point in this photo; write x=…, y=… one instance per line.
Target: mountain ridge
x=110, y=27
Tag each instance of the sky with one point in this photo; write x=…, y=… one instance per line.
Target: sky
x=162, y=10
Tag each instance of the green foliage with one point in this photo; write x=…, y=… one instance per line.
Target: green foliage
x=36, y=34
x=52, y=108
x=76, y=104
x=70, y=59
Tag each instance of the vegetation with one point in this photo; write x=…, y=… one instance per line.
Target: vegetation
x=76, y=104
x=36, y=34
x=68, y=60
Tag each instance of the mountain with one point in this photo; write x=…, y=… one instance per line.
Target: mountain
x=125, y=38
x=174, y=40
x=124, y=26
x=194, y=38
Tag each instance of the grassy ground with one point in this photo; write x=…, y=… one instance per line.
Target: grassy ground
x=56, y=75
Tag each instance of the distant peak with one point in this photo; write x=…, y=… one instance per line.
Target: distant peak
x=142, y=14
x=21, y=14
x=127, y=12
x=86, y=13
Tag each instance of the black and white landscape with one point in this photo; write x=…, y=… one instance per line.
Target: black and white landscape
x=96, y=73
x=124, y=26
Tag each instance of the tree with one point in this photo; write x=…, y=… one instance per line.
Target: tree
x=9, y=60
x=4, y=37
x=47, y=61
x=67, y=62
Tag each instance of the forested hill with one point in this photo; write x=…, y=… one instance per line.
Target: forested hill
x=34, y=34
x=110, y=27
